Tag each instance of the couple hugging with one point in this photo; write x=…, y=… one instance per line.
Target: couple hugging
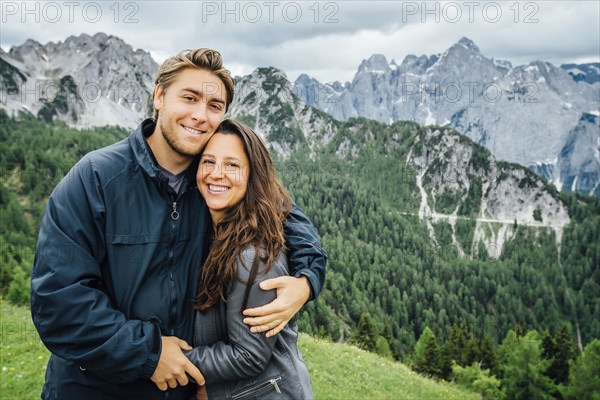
x=171, y=265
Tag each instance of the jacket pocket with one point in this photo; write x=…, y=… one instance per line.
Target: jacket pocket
x=261, y=388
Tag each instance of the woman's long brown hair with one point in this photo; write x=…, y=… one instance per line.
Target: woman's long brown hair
x=257, y=220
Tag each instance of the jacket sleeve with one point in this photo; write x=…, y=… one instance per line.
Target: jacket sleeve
x=305, y=254
x=70, y=306
x=244, y=354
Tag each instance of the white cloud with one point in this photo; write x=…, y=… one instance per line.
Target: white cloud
x=325, y=39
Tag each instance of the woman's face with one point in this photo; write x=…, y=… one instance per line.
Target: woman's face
x=223, y=173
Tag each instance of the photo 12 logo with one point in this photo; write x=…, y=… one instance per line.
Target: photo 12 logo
x=69, y=11
x=70, y=92
x=470, y=11
x=270, y=11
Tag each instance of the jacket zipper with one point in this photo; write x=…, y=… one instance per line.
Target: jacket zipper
x=174, y=217
x=173, y=311
x=258, y=388
x=274, y=383
x=175, y=213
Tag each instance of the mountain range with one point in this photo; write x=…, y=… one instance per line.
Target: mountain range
x=538, y=115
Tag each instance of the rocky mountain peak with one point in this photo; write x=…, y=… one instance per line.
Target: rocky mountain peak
x=465, y=56
x=272, y=73
x=22, y=52
x=101, y=37
x=92, y=96
x=377, y=63
x=417, y=65
x=264, y=82
x=468, y=44
x=304, y=79
x=29, y=45
x=78, y=41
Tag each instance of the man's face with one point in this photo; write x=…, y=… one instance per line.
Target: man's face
x=191, y=109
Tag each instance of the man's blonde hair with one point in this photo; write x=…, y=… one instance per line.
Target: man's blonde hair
x=203, y=58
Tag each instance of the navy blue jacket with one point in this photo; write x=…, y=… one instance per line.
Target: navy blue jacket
x=117, y=265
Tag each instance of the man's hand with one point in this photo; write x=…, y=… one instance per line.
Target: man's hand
x=292, y=293
x=173, y=365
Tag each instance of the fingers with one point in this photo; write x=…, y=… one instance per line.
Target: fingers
x=281, y=303
x=184, y=345
x=271, y=329
x=173, y=366
x=196, y=374
x=182, y=379
x=292, y=293
x=276, y=330
x=268, y=309
x=264, y=318
x=255, y=312
x=173, y=382
x=265, y=327
x=272, y=310
x=274, y=283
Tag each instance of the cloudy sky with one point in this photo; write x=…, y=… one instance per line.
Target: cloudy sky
x=324, y=39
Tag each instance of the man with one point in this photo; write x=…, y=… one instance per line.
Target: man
x=121, y=244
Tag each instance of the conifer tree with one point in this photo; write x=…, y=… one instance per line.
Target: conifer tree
x=426, y=356
x=366, y=334
x=460, y=348
x=485, y=353
x=564, y=352
x=584, y=375
x=523, y=368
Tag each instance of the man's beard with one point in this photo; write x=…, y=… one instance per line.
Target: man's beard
x=174, y=145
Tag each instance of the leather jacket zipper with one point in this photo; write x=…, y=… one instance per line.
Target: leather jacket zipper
x=261, y=387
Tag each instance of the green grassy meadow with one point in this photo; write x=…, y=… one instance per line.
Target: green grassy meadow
x=23, y=356
x=338, y=371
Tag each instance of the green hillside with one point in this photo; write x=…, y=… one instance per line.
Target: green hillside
x=338, y=371
x=341, y=371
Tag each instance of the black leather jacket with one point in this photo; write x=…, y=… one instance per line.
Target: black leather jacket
x=238, y=364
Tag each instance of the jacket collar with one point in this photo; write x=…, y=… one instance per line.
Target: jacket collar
x=146, y=160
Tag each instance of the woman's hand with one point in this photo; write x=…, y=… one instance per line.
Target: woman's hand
x=292, y=294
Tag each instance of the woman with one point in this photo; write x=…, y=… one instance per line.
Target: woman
x=248, y=205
